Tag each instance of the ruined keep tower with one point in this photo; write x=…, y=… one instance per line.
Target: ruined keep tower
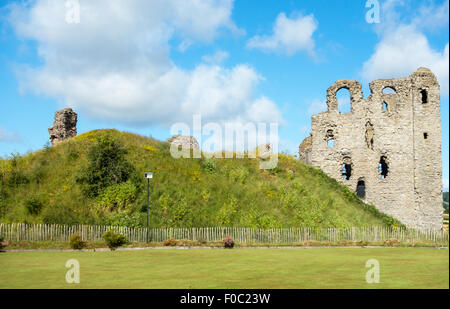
x=65, y=126
x=387, y=148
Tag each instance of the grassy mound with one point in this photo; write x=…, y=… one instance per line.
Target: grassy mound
x=97, y=178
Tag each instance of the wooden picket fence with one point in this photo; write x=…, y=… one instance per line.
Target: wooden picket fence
x=57, y=232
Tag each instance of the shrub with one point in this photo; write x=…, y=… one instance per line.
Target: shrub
x=209, y=165
x=227, y=212
x=2, y=243
x=170, y=242
x=180, y=214
x=135, y=219
x=117, y=197
x=71, y=151
x=362, y=243
x=16, y=173
x=228, y=242
x=76, y=242
x=114, y=240
x=391, y=242
x=107, y=165
x=201, y=241
x=33, y=206
x=60, y=213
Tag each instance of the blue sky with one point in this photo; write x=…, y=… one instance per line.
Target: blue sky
x=141, y=66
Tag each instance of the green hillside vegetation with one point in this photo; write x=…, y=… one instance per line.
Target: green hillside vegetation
x=98, y=178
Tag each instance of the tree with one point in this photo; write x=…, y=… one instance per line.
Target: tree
x=107, y=166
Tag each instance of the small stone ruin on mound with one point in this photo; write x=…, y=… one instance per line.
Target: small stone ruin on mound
x=65, y=126
x=185, y=141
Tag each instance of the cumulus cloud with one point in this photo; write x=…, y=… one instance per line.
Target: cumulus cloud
x=216, y=58
x=290, y=35
x=404, y=47
x=432, y=16
x=115, y=64
x=7, y=136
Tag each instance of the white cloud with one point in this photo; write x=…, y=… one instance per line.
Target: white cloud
x=402, y=52
x=290, y=35
x=6, y=136
x=317, y=106
x=115, y=64
x=216, y=58
x=432, y=16
x=445, y=184
x=403, y=46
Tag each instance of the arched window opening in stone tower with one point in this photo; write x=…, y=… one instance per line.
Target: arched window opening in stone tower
x=384, y=106
x=361, y=189
x=383, y=167
x=369, y=135
x=330, y=138
x=424, y=96
x=343, y=98
x=425, y=135
x=389, y=90
x=347, y=168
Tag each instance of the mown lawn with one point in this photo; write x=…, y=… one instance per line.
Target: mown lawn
x=236, y=268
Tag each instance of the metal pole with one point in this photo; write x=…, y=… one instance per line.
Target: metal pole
x=148, y=205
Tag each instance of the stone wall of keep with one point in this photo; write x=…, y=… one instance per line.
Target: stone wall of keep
x=412, y=188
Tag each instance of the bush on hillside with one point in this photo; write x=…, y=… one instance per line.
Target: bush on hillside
x=136, y=219
x=209, y=165
x=117, y=197
x=227, y=212
x=60, y=213
x=107, y=166
x=76, y=242
x=114, y=240
x=33, y=205
x=14, y=170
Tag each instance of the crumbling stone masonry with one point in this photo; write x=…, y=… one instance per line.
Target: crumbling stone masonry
x=184, y=141
x=65, y=126
x=387, y=148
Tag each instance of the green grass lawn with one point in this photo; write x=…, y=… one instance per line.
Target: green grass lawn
x=237, y=268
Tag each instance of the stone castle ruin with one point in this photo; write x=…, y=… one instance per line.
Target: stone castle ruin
x=65, y=126
x=387, y=149
x=184, y=141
